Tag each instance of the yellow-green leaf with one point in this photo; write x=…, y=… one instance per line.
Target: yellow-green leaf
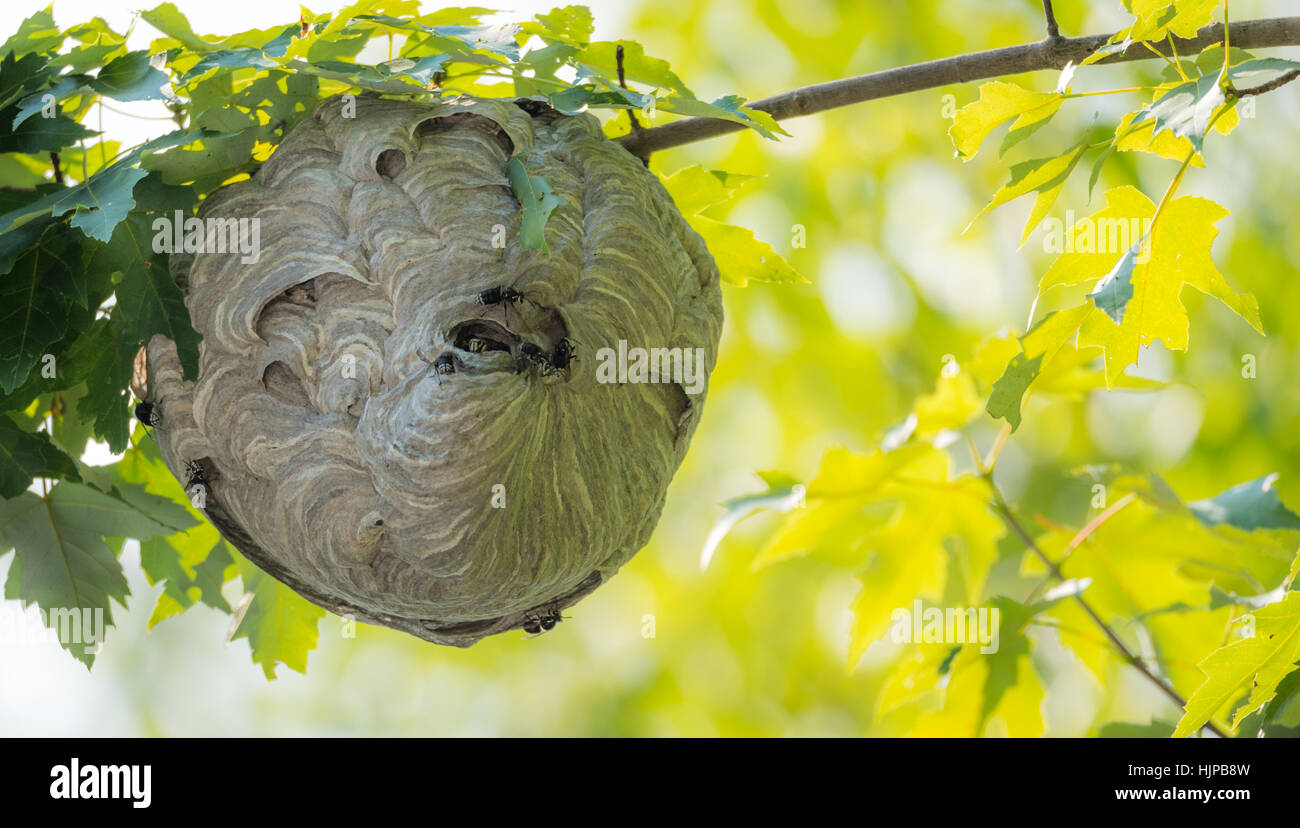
x=1258, y=663
x=1045, y=176
x=1178, y=254
x=741, y=257
x=998, y=103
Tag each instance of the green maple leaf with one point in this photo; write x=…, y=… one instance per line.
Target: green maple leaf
x=34, y=303
x=727, y=108
x=102, y=200
x=1250, y=506
x=19, y=76
x=66, y=86
x=281, y=626
x=107, y=403
x=1113, y=292
x=148, y=300
x=99, y=43
x=25, y=456
x=187, y=574
x=38, y=33
x=76, y=352
x=130, y=78
x=571, y=25
x=61, y=560
x=1259, y=721
x=193, y=564
x=1188, y=110
x=35, y=135
x=599, y=60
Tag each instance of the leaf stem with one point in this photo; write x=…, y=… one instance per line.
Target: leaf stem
x=1177, y=61
x=1168, y=60
x=1227, y=34
x=1110, y=92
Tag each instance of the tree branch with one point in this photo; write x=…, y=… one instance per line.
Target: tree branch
x=1053, y=28
x=1265, y=88
x=1051, y=53
x=1004, y=511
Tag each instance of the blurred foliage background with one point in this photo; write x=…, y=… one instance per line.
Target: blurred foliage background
x=665, y=649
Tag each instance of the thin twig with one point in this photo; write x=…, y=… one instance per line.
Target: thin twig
x=1053, y=29
x=622, y=81
x=995, y=63
x=1083, y=535
x=1004, y=511
x=1276, y=83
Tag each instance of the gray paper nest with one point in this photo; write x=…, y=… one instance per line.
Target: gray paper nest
x=338, y=459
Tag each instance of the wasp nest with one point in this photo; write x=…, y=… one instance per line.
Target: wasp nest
x=398, y=412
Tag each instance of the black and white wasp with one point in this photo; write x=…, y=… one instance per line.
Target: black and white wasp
x=536, y=624
x=498, y=295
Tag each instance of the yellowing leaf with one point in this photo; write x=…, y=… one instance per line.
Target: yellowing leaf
x=783, y=495
x=741, y=257
x=978, y=702
x=1258, y=663
x=695, y=189
x=909, y=558
x=1141, y=138
x=952, y=405
x=916, y=674
x=1045, y=176
x=281, y=627
x=1178, y=254
x=1156, y=18
x=990, y=357
x=908, y=561
x=844, y=473
x=998, y=103
x=829, y=526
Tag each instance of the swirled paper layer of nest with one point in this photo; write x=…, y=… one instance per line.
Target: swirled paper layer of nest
x=339, y=459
